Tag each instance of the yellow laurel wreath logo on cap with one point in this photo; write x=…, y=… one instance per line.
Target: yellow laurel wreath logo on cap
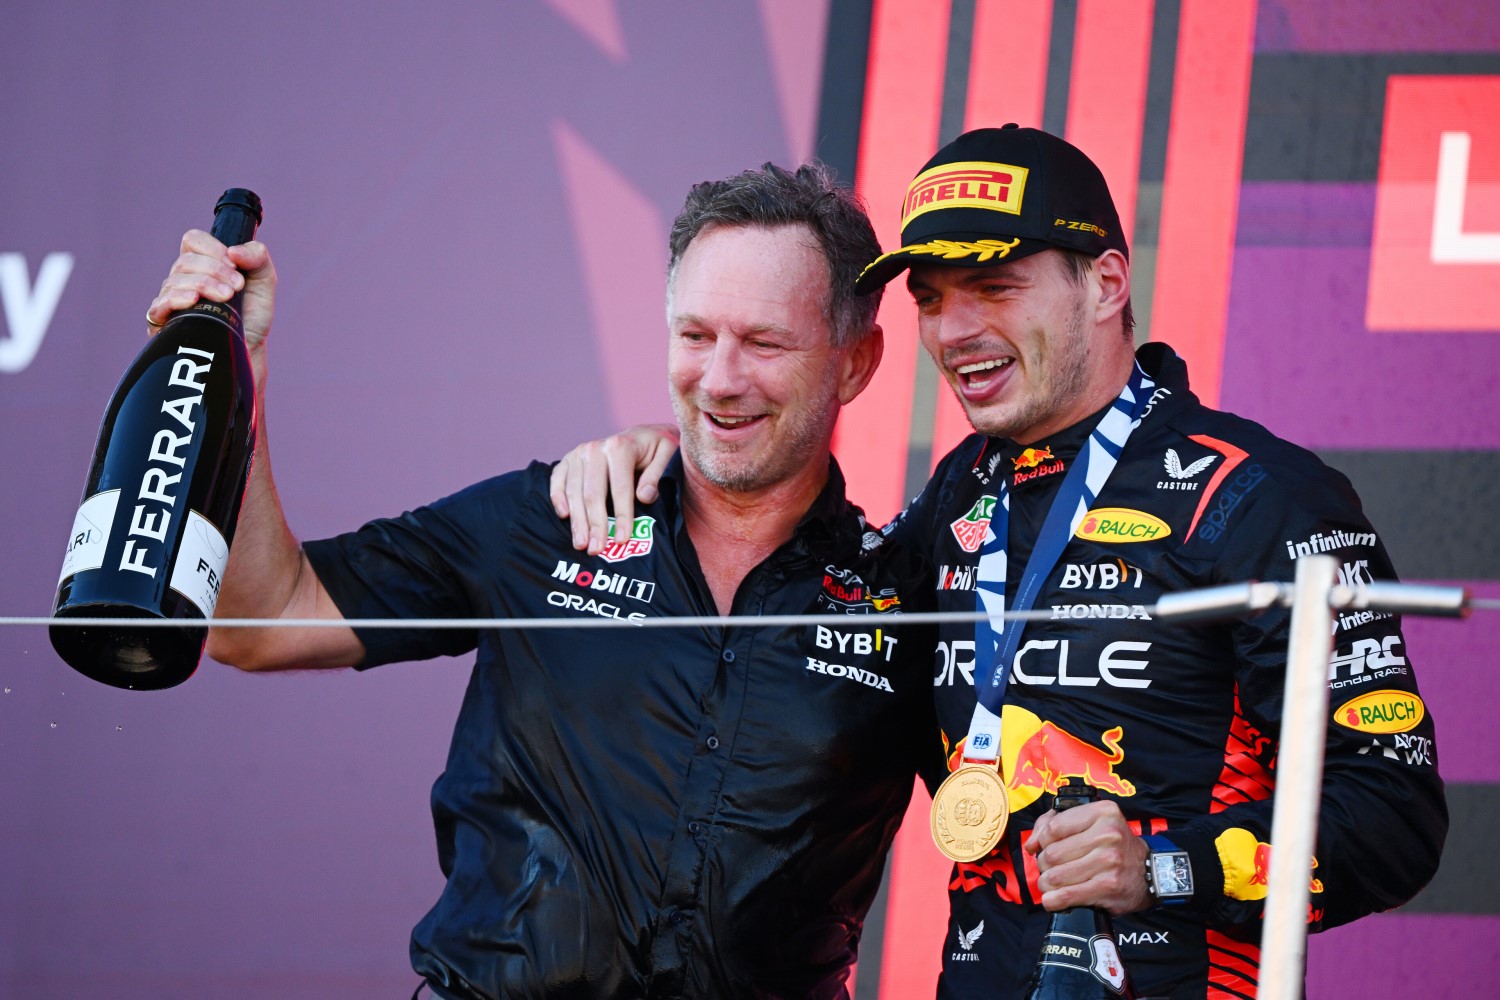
x=957, y=249
x=950, y=250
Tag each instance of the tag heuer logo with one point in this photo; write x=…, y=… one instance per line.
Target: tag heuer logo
x=642, y=534
x=970, y=529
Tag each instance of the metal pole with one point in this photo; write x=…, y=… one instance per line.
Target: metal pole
x=1299, y=780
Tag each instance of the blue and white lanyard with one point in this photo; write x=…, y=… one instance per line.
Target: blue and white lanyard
x=996, y=650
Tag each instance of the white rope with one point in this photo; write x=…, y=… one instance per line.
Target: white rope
x=1175, y=610
x=699, y=621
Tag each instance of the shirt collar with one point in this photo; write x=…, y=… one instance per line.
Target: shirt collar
x=831, y=523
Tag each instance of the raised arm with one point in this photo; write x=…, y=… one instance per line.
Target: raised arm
x=267, y=576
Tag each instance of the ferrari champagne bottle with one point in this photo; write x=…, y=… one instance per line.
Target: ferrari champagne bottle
x=1080, y=957
x=152, y=533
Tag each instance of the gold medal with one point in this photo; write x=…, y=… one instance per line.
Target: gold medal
x=969, y=812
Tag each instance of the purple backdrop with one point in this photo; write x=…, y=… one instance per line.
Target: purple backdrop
x=467, y=206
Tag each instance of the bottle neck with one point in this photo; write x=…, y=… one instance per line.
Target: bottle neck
x=227, y=313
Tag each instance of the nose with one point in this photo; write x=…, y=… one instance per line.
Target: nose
x=724, y=372
x=958, y=319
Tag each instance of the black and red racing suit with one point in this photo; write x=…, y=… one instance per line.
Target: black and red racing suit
x=1176, y=723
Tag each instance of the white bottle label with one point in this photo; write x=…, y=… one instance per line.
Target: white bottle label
x=200, y=563
x=90, y=535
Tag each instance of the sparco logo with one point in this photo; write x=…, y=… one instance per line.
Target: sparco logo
x=1215, y=521
x=609, y=583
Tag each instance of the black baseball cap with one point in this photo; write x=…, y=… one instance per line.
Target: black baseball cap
x=995, y=195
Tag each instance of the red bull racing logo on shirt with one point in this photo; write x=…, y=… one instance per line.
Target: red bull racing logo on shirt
x=642, y=533
x=1034, y=463
x=970, y=529
x=844, y=592
x=1032, y=457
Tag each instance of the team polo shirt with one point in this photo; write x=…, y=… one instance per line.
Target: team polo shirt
x=652, y=812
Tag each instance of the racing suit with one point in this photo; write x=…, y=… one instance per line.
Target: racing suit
x=1176, y=723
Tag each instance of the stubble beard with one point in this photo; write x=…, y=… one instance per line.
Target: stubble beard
x=1066, y=381
x=805, y=434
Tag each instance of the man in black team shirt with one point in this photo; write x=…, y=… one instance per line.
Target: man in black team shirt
x=1095, y=483
x=689, y=812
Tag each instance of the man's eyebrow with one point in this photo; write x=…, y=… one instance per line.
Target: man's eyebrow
x=693, y=319
x=971, y=276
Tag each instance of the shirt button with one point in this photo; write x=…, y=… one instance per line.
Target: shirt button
x=712, y=742
x=695, y=828
x=678, y=918
x=728, y=656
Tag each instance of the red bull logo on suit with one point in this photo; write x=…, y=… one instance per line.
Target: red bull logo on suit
x=1037, y=756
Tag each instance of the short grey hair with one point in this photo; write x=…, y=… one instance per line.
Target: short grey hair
x=811, y=196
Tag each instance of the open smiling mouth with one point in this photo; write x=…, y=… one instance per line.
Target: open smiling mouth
x=981, y=372
x=730, y=423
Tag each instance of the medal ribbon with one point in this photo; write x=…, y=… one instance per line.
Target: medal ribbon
x=995, y=651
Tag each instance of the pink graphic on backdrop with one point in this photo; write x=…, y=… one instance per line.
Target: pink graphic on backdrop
x=794, y=45
x=1435, y=254
x=621, y=241
x=598, y=21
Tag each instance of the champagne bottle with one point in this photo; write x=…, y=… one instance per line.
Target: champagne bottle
x=152, y=534
x=1080, y=957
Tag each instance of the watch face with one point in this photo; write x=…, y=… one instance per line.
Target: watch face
x=1173, y=874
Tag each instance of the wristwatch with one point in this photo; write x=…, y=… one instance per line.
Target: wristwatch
x=1169, y=872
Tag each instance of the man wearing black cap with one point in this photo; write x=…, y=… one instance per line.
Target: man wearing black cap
x=1095, y=483
x=1117, y=486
